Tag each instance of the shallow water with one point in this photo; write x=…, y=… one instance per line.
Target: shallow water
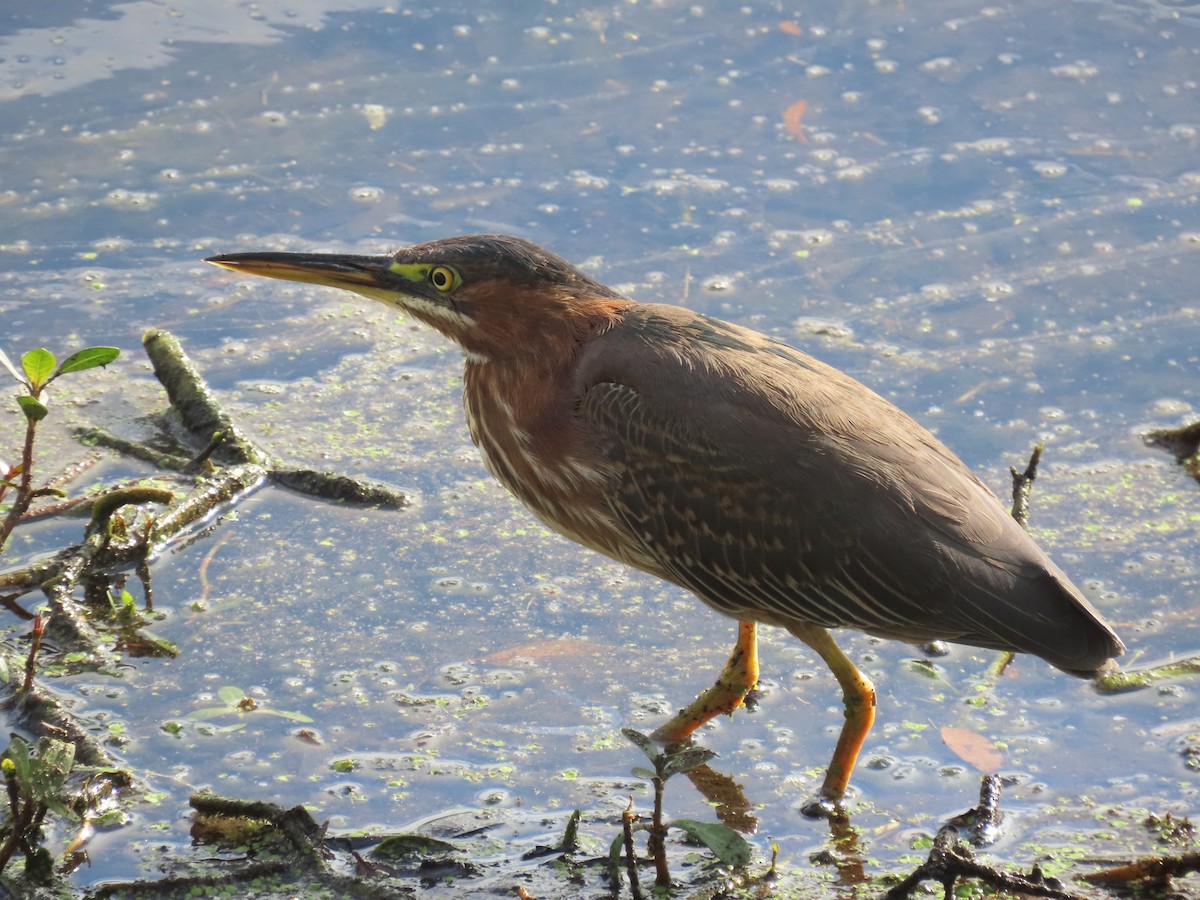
x=987, y=214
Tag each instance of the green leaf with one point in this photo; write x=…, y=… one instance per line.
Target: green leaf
x=285, y=714
x=147, y=643
x=642, y=772
x=39, y=866
x=88, y=358
x=570, y=839
x=34, y=410
x=203, y=715
x=60, y=754
x=726, y=844
x=616, y=851
x=50, y=769
x=614, y=857
x=231, y=695
x=210, y=712
x=645, y=744
x=57, y=806
x=39, y=366
x=18, y=753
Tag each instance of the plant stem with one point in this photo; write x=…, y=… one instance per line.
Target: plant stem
x=631, y=851
x=35, y=644
x=658, y=838
x=24, y=491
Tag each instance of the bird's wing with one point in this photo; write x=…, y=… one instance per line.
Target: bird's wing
x=781, y=490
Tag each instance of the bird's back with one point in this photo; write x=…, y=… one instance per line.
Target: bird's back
x=781, y=490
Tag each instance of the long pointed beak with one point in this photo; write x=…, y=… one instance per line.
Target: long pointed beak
x=351, y=273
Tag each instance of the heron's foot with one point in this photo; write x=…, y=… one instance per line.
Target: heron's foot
x=666, y=741
x=722, y=699
x=750, y=701
x=823, y=808
x=737, y=679
x=680, y=730
x=667, y=738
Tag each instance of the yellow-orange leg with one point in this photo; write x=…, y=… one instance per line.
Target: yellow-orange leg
x=736, y=680
x=858, y=694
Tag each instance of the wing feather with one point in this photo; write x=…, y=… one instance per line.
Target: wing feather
x=780, y=490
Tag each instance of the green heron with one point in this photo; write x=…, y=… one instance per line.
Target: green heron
x=774, y=487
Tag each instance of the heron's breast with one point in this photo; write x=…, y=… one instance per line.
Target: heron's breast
x=544, y=459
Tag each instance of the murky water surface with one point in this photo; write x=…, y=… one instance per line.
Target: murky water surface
x=989, y=214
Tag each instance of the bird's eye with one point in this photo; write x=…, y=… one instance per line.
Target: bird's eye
x=444, y=278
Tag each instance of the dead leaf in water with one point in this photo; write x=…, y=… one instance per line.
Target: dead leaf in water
x=793, y=116
x=973, y=748
x=554, y=648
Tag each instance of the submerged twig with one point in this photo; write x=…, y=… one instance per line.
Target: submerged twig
x=627, y=819
x=204, y=416
x=1156, y=870
x=211, y=493
x=1118, y=682
x=163, y=459
x=986, y=827
x=297, y=824
x=1022, y=486
x=951, y=859
x=1183, y=443
x=43, y=713
x=108, y=548
x=332, y=486
x=199, y=409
